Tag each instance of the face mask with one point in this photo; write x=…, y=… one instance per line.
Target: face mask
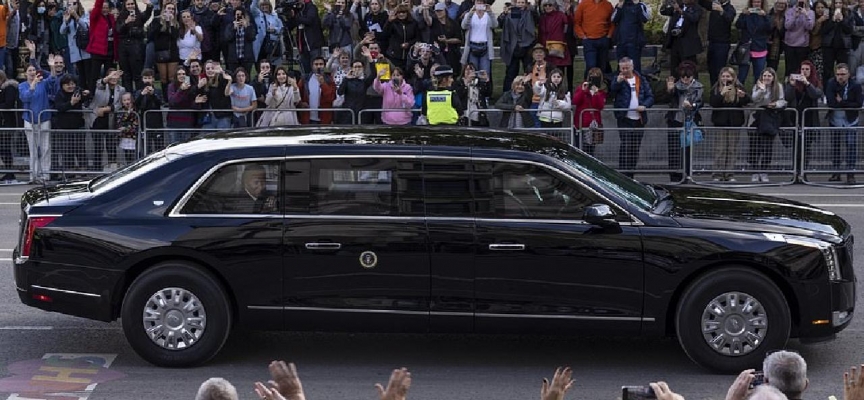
x=40, y=10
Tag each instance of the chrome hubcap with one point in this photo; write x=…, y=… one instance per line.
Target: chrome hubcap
x=734, y=324
x=174, y=318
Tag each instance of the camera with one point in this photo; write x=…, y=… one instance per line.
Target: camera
x=800, y=4
x=676, y=32
x=595, y=81
x=285, y=5
x=637, y=393
x=758, y=379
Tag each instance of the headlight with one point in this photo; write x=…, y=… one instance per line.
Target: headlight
x=829, y=252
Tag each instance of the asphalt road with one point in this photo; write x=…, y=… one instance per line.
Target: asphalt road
x=345, y=366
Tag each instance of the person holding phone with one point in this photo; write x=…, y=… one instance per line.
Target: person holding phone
x=240, y=37
x=799, y=22
x=720, y=18
x=106, y=100
x=447, y=34
x=836, y=38
x=398, y=97
x=518, y=35
x=589, y=100
x=69, y=119
x=727, y=97
x=479, y=24
x=164, y=33
x=472, y=90
x=754, y=28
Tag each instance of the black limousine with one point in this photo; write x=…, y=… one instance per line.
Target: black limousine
x=426, y=229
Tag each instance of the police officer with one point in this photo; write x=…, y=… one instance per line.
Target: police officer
x=441, y=106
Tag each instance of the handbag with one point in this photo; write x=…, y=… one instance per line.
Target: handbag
x=593, y=134
x=741, y=54
x=555, y=48
x=478, y=49
x=768, y=123
x=163, y=56
x=691, y=134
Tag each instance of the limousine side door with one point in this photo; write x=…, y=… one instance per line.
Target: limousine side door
x=540, y=268
x=356, y=255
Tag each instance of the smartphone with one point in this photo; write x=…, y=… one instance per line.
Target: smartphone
x=800, y=4
x=186, y=80
x=758, y=379
x=637, y=393
x=754, y=10
x=795, y=77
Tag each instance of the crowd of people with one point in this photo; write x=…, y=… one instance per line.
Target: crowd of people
x=783, y=376
x=182, y=67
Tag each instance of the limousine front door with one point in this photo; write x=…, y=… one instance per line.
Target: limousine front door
x=355, y=259
x=539, y=268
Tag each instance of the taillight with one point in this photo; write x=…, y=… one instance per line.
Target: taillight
x=33, y=223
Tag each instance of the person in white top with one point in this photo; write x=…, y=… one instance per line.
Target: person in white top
x=479, y=23
x=191, y=36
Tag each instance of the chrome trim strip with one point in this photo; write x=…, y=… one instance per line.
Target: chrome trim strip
x=356, y=311
x=50, y=289
x=323, y=246
x=571, y=317
x=20, y=289
x=506, y=247
x=451, y=313
x=175, y=212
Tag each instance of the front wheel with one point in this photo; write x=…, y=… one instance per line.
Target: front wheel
x=727, y=320
x=176, y=315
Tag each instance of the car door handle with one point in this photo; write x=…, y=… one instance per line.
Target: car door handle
x=506, y=247
x=323, y=246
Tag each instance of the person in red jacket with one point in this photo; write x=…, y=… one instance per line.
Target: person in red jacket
x=102, y=46
x=590, y=96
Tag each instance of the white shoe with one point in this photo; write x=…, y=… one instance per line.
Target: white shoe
x=764, y=178
x=755, y=178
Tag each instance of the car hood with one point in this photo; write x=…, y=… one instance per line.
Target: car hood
x=701, y=207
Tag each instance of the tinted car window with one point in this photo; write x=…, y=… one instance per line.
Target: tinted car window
x=366, y=186
x=529, y=191
x=449, y=188
x=242, y=188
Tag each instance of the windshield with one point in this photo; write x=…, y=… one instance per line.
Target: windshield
x=641, y=195
x=122, y=175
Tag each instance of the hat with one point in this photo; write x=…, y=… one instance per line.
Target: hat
x=539, y=46
x=443, y=70
x=440, y=7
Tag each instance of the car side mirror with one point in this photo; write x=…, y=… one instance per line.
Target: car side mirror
x=600, y=215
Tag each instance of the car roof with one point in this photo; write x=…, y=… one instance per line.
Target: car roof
x=371, y=135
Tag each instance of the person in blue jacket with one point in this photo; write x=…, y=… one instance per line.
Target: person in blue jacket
x=34, y=97
x=626, y=84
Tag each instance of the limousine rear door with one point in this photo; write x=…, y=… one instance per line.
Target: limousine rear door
x=540, y=268
x=356, y=256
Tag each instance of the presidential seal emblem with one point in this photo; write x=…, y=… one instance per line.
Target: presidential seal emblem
x=368, y=259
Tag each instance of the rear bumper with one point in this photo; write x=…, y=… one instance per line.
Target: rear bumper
x=70, y=290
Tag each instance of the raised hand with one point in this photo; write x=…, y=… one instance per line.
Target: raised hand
x=397, y=387
x=265, y=393
x=853, y=384
x=739, y=388
x=286, y=381
x=562, y=381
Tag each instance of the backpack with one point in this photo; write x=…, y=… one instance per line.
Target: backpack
x=82, y=36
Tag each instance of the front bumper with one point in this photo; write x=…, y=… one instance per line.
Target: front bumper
x=822, y=321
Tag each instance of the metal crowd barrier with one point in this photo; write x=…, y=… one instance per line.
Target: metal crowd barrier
x=724, y=154
x=830, y=155
x=376, y=112
x=14, y=147
x=495, y=117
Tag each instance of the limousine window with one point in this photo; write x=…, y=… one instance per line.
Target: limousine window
x=242, y=188
x=529, y=191
x=451, y=189
x=365, y=186
x=633, y=191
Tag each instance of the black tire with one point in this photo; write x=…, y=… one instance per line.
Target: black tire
x=193, y=281
x=741, y=285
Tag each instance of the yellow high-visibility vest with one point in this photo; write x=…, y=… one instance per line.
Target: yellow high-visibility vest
x=439, y=109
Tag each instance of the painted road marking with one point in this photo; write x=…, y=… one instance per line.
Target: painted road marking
x=59, y=376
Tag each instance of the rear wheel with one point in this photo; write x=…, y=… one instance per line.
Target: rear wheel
x=176, y=314
x=728, y=319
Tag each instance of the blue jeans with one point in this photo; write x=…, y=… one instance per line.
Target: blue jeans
x=150, y=56
x=596, y=54
x=844, y=137
x=483, y=63
x=218, y=124
x=758, y=66
x=3, y=61
x=718, y=54
x=632, y=50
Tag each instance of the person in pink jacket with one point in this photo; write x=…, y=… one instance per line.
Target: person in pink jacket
x=590, y=96
x=396, y=94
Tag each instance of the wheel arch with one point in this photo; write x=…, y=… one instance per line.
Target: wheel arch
x=772, y=275
x=140, y=266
